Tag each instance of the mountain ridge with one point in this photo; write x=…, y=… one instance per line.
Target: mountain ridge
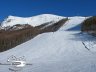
x=34, y=20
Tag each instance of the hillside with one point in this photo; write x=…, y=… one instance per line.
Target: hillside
x=89, y=25
x=66, y=50
x=20, y=33
x=33, y=21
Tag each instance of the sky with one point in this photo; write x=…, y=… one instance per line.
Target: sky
x=28, y=8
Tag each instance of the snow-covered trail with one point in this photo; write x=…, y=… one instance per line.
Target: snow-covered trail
x=70, y=56
x=60, y=51
x=73, y=23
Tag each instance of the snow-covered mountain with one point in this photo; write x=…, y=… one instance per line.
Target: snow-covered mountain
x=33, y=21
x=66, y=50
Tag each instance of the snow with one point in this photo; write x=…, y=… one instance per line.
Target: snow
x=73, y=22
x=60, y=51
x=34, y=21
x=90, y=42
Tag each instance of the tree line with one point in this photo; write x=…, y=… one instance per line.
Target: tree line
x=12, y=38
x=89, y=25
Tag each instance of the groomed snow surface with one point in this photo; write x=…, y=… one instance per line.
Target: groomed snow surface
x=61, y=51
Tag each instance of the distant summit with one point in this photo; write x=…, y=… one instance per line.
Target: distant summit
x=33, y=21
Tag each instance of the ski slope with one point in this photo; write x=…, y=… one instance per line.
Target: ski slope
x=61, y=51
x=73, y=22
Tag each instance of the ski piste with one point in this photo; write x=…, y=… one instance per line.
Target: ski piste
x=61, y=51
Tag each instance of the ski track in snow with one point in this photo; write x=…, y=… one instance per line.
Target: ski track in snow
x=60, y=51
